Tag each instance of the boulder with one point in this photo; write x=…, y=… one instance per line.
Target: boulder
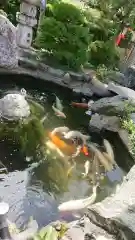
x=8, y=47
x=98, y=88
x=117, y=77
x=100, y=122
x=86, y=90
x=130, y=76
x=111, y=106
x=67, y=79
x=124, y=92
x=111, y=219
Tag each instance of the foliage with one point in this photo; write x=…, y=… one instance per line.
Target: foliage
x=50, y=232
x=47, y=233
x=103, y=52
x=73, y=36
x=119, y=11
x=128, y=124
x=102, y=72
x=11, y=7
x=64, y=33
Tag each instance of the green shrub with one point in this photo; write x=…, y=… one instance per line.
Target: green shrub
x=104, y=53
x=65, y=34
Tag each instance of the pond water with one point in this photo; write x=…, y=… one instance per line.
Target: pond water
x=34, y=189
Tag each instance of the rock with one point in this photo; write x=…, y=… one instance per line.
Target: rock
x=111, y=219
x=124, y=92
x=67, y=79
x=98, y=88
x=100, y=122
x=132, y=116
x=120, y=207
x=111, y=106
x=87, y=77
x=86, y=90
x=118, y=77
x=30, y=53
x=76, y=76
x=123, y=134
x=14, y=106
x=8, y=46
x=130, y=76
x=76, y=85
x=55, y=72
x=27, y=63
x=43, y=67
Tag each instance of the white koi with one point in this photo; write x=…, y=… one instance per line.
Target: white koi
x=77, y=134
x=63, y=130
x=109, y=151
x=101, y=157
x=80, y=204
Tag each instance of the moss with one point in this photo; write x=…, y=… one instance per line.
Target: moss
x=129, y=125
x=111, y=111
x=27, y=133
x=36, y=108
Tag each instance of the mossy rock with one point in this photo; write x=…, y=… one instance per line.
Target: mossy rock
x=27, y=133
x=113, y=106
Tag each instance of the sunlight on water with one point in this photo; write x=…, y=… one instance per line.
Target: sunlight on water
x=36, y=189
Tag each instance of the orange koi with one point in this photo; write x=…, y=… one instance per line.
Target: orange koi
x=66, y=148
x=84, y=149
x=61, y=144
x=83, y=105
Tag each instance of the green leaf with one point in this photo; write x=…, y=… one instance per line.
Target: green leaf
x=48, y=233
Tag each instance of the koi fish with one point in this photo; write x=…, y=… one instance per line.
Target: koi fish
x=78, y=150
x=83, y=105
x=101, y=157
x=44, y=118
x=80, y=204
x=58, y=112
x=77, y=134
x=84, y=149
x=69, y=149
x=52, y=146
x=63, y=129
x=109, y=151
x=59, y=108
x=87, y=168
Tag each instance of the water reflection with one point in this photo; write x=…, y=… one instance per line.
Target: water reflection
x=36, y=189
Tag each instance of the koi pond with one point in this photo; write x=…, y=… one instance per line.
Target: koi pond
x=35, y=185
